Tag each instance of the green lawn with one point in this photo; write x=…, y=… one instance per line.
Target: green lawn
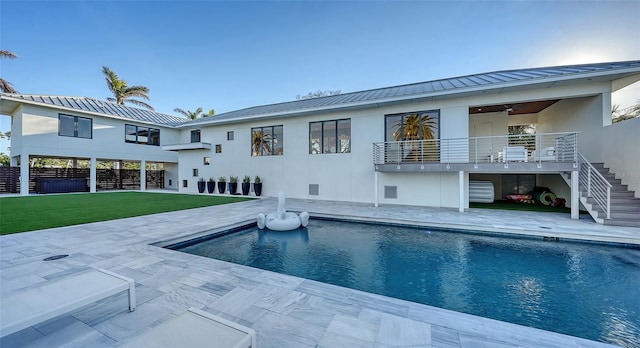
x=20, y=214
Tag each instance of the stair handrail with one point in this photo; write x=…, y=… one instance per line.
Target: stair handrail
x=595, y=184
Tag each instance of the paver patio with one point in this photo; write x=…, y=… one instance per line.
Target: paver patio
x=285, y=311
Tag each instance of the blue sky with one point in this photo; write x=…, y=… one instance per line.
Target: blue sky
x=231, y=55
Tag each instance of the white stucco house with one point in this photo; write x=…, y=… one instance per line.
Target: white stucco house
x=416, y=144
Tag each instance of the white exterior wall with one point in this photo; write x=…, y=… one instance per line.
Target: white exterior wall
x=620, y=152
x=583, y=115
x=38, y=127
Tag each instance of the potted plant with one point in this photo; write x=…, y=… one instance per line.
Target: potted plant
x=222, y=184
x=211, y=185
x=246, y=185
x=257, y=186
x=201, y=185
x=233, y=185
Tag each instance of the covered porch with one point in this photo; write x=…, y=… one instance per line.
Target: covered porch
x=545, y=153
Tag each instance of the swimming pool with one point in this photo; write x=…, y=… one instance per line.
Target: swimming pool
x=580, y=289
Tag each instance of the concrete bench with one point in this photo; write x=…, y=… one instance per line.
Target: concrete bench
x=196, y=328
x=32, y=306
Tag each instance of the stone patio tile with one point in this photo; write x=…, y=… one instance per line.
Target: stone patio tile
x=127, y=325
x=443, y=337
x=71, y=334
x=399, y=331
x=279, y=331
x=352, y=327
x=183, y=298
x=332, y=340
x=472, y=341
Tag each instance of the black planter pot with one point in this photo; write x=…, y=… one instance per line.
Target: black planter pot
x=222, y=186
x=245, y=188
x=201, y=185
x=211, y=186
x=257, y=188
x=233, y=187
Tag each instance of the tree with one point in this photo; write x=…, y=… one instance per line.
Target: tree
x=192, y=115
x=5, y=135
x=415, y=127
x=261, y=143
x=4, y=160
x=123, y=93
x=317, y=94
x=5, y=86
x=628, y=113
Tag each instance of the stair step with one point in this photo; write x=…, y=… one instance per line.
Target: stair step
x=616, y=214
x=622, y=194
x=623, y=222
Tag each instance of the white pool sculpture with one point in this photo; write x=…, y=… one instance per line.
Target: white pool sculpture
x=282, y=220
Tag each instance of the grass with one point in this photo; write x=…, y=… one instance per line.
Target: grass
x=20, y=214
x=508, y=205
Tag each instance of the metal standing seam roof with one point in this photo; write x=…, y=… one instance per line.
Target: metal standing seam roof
x=103, y=107
x=421, y=89
x=488, y=80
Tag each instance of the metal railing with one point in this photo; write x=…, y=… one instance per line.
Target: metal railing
x=555, y=147
x=595, y=185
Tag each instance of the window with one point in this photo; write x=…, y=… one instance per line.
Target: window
x=267, y=141
x=75, y=126
x=218, y=148
x=207, y=161
x=195, y=136
x=195, y=171
x=230, y=135
x=418, y=134
x=420, y=125
x=185, y=183
x=141, y=135
x=330, y=136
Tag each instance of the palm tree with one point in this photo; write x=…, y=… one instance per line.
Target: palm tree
x=5, y=86
x=192, y=115
x=261, y=143
x=418, y=127
x=415, y=127
x=123, y=93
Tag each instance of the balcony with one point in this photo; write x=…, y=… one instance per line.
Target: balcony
x=523, y=153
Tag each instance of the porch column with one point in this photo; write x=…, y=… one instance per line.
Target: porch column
x=461, y=191
x=143, y=175
x=575, y=195
x=14, y=161
x=24, y=174
x=375, y=189
x=93, y=176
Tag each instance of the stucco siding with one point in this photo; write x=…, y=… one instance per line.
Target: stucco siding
x=40, y=137
x=620, y=151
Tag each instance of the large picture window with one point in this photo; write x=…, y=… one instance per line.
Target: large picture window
x=141, y=135
x=75, y=126
x=330, y=136
x=419, y=125
x=416, y=133
x=267, y=141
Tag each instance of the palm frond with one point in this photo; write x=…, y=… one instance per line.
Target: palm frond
x=6, y=87
x=139, y=103
x=7, y=54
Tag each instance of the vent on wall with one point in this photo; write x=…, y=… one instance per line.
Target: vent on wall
x=391, y=192
x=314, y=189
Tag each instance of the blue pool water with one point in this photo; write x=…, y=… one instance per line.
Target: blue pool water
x=585, y=290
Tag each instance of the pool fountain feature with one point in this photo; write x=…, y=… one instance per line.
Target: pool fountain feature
x=282, y=220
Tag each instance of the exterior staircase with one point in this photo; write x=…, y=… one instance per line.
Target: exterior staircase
x=624, y=207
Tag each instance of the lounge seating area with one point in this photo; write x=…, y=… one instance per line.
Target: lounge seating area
x=33, y=306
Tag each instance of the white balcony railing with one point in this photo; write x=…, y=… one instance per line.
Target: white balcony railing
x=547, y=147
x=594, y=185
